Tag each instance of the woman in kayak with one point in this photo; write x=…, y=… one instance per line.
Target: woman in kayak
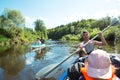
x=90, y=46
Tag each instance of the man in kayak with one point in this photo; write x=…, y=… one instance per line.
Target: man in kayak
x=90, y=46
x=98, y=67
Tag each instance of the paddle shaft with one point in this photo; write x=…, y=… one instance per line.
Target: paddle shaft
x=79, y=49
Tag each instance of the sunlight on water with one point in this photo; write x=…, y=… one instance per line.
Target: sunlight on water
x=30, y=58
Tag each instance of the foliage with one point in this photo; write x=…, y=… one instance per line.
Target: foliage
x=110, y=34
x=71, y=30
x=41, y=28
x=3, y=38
x=12, y=18
x=94, y=32
x=71, y=37
x=101, y=23
x=74, y=28
x=4, y=32
x=12, y=26
x=14, y=32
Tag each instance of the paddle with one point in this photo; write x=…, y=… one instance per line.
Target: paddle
x=36, y=49
x=43, y=74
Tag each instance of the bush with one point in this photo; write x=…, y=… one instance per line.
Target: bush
x=110, y=34
x=71, y=37
x=3, y=38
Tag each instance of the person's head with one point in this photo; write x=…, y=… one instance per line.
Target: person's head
x=38, y=39
x=85, y=35
x=99, y=65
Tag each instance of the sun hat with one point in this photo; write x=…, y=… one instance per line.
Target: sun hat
x=99, y=65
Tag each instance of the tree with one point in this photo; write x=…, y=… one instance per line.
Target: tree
x=13, y=18
x=40, y=27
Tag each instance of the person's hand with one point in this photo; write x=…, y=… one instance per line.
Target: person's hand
x=100, y=34
x=81, y=46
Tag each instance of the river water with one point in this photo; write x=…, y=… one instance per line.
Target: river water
x=20, y=63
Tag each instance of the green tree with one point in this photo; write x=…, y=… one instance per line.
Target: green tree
x=41, y=28
x=13, y=18
x=39, y=25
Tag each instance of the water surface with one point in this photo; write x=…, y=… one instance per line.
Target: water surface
x=20, y=63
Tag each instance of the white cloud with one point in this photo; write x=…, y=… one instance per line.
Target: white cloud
x=97, y=15
x=75, y=17
x=29, y=22
x=42, y=18
x=29, y=19
x=108, y=0
x=104, y=13
x=118, y=0
x=111, y=1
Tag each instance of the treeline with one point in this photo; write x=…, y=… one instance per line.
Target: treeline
x=13, y=29
x=72, y=31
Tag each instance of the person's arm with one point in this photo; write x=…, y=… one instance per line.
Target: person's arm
x=80, y=46
x=102, y=42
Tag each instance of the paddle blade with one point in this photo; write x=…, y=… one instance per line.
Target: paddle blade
x=41, y=74
x=115, y=21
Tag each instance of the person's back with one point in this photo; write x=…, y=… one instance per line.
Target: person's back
x=98, y=67
x=42, y=40
x=37, y=42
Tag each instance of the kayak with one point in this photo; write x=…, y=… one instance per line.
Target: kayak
x=38, y=46
x=73, y=73
x=56, y=71
x=35, y=47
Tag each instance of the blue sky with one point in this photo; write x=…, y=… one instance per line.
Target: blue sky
x=58, y=12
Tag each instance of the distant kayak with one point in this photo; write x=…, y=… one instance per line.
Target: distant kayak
x=40, y=46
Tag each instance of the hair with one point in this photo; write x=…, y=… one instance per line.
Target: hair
x=85, y=31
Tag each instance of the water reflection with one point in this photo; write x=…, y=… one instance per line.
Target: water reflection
x=40, y=54
x=19, y=63
x=33, y=56
x=12, y=61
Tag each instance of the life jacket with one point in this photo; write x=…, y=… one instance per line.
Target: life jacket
x=84, y=72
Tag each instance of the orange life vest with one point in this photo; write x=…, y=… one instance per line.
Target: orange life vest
x=84, y=72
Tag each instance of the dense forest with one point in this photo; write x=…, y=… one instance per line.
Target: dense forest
x=72, y=31
x=14, y=31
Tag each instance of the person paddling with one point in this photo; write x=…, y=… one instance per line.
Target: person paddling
x=90, y=46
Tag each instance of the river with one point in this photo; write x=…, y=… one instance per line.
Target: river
x=20, y=63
